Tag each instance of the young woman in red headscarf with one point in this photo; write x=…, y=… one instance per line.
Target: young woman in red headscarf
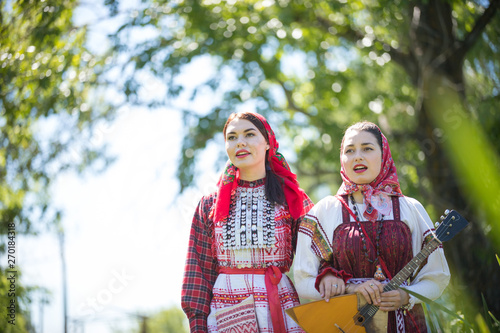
x=243, y=238
x=356, y=241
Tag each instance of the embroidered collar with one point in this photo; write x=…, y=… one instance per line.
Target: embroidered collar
x=253, y=183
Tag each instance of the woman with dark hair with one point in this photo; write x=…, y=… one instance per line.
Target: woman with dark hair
x=243, y=238
x=356, y=241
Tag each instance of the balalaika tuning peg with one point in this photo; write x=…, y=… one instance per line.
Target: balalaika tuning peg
x=442, y=217
x=436, y=224
x=446, y=212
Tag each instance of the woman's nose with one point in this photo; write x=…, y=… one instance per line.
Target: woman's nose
x=241, y=142
x=358, y=156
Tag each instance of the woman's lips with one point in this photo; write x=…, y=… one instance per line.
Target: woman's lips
x=242, y=154
x=359, y=168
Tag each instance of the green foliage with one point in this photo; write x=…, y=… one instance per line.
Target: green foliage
x=314, y=67
x=170, y=320
x=442, y=319
x=46, y=117
x=470, y=150
x=438, y=315
x=48, y=114
x=14, y=303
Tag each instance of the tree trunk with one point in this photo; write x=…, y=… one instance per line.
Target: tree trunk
x=470, y=254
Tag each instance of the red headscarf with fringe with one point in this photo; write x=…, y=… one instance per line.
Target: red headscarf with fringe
x=377, y=193
x=228, y=181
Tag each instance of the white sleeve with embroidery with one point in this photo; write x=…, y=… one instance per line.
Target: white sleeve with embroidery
x=305, y=268
x=435, y=275
x=328, y=213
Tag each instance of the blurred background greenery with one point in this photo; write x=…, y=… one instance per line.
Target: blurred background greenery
x=428, y=72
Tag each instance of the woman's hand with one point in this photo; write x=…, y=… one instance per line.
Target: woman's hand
x=393, y=300
x=371, y=291
x=330, y=286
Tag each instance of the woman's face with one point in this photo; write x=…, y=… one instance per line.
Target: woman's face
x=361, y=156
x=246, y=147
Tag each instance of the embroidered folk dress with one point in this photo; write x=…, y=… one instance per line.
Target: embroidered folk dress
x=257, y=235
x=329, y=241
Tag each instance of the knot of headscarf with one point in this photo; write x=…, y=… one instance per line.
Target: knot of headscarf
x=228, y=180
x=377, y=193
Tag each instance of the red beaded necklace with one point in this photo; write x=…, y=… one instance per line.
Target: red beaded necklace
x=362, y=234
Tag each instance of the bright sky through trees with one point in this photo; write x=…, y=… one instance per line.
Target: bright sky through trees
x=126, y=230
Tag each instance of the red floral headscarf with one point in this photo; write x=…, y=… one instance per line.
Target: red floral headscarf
x=228, y=181
x=376, y=194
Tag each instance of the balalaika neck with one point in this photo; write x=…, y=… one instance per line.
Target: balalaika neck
x=369, y=310
x=410, y=267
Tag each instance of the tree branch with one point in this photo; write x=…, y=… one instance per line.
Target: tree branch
x=479, y=27
x=349, y=33
x=405, y=60
x=291, y=103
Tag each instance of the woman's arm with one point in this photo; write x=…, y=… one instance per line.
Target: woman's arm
x=434, y=276
x=306, y=265
x=200, y=271
x=314, y=252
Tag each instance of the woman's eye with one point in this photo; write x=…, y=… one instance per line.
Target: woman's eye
x=250, y=134
x=231, y=137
